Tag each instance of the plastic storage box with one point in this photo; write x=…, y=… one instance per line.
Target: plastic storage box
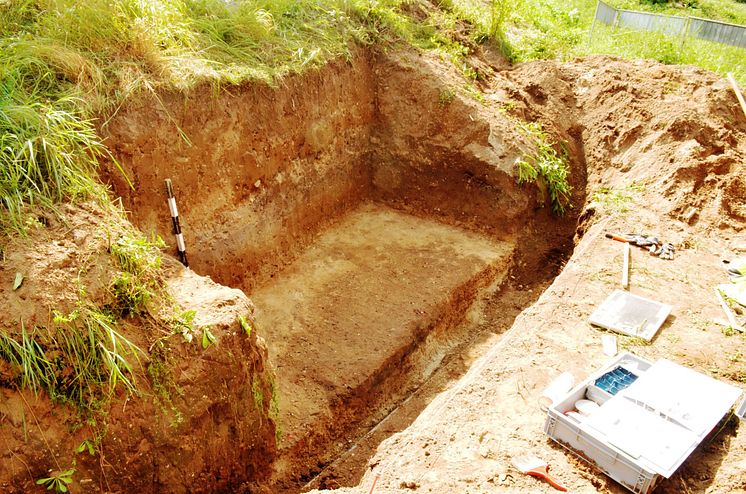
x=650, y=419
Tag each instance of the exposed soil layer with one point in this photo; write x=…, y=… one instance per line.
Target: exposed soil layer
x=357, y=310
x=171, y=435
x=361, y=300
x=257, y=171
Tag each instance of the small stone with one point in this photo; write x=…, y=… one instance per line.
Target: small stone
x=79, y=237
x=689, y=214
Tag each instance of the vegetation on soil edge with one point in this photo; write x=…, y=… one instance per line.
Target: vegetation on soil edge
x=65, y=62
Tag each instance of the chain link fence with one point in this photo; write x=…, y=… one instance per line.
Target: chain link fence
x=683, y=27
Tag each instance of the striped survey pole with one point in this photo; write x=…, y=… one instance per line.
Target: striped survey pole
x=180, y=245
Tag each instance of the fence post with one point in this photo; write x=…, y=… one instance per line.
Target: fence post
x=684, y=32
x=616, y=22
x=593, y=24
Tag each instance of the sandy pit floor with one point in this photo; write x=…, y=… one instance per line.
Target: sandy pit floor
x=337, y=319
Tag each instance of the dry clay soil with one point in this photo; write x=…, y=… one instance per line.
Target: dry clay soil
x=670, y=141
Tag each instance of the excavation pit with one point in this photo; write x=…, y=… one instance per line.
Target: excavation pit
x=376, y=220
x=369, y=237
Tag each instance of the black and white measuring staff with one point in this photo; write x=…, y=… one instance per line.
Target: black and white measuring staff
x=180, y=245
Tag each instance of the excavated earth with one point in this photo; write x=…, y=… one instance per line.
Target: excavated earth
x=410, y=299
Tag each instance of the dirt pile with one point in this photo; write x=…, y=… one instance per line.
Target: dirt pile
x=172, y=434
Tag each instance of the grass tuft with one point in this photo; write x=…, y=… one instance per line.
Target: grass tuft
x=547, y=168
x=48, y=154
x=140, y=261
x=81, y=359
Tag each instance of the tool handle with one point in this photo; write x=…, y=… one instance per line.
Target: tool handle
x=734, y=85
x=373, y=485
x=555, y=483
x=617, y=238
x=625, y=267
x=543, y=474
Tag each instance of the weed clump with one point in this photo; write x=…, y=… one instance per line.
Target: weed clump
x=140, y=261
x=160, y=371
x=48, y=153
x=81, y=359
x=547, y=168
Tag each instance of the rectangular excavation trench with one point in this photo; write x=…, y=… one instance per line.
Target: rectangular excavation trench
x=359, y=295
x=362, y=249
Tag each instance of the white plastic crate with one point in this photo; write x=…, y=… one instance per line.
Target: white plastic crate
x=647, y=430
x=591, y=446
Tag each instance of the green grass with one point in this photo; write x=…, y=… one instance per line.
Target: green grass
x=135, y=285
x=64, y=63
x=667, y=49
x=165, y=389
x=554, y=29
x=81, y=359
x=547, y=168
x=723, y=10
x=616, y=200
x=48, y=153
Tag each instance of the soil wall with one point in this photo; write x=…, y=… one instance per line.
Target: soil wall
x=257, y=170
x=442, y=153
x=266, y=169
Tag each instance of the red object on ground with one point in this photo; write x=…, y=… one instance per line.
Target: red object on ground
x=536, y=467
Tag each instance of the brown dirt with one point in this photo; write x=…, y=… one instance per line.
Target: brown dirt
x=265, y=190
x=147, y=444
x=263, y=171
x=362, y=300
x=446, y=163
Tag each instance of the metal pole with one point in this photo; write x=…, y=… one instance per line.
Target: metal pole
x=180, y=245
x=684, y=32
x=593, y=24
